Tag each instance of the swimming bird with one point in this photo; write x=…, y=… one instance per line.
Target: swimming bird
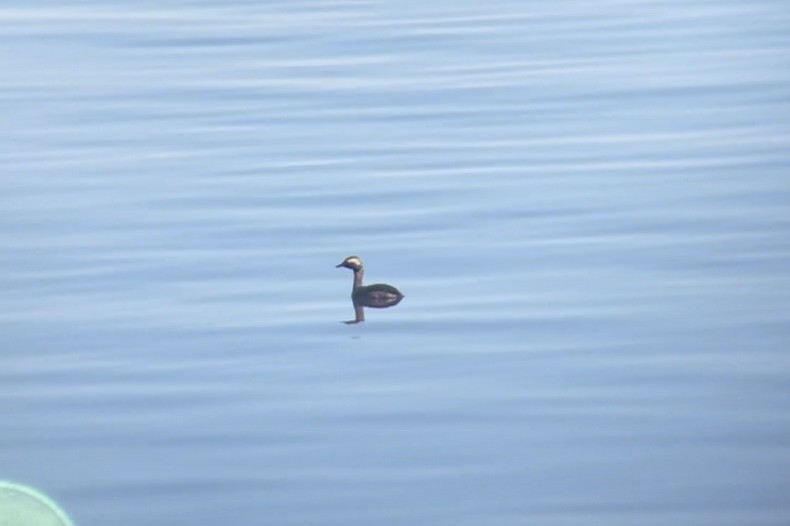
x=378, y=296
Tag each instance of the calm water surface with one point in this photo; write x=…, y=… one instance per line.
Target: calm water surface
x=587, y=206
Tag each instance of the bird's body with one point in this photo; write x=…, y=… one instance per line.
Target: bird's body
x=378, y=296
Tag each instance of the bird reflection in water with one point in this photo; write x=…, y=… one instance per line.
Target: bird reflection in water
x=377, y=296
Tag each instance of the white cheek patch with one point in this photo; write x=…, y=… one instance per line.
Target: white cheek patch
x=353, y=261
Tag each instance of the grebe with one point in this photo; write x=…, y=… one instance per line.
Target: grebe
x=378, y=296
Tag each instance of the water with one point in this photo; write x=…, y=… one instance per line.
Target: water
x=586, y=205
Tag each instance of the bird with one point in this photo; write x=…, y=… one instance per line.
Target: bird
x=378, y=296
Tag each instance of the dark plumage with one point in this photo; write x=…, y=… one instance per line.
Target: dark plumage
x=379, y=295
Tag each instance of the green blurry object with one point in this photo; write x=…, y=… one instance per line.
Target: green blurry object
x=23, y=506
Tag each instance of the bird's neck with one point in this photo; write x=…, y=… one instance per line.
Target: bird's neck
x=358, y=278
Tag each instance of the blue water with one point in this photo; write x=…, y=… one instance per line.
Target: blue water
x=587, y=206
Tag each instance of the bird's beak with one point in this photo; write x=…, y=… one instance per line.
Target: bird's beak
x=338, y=265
